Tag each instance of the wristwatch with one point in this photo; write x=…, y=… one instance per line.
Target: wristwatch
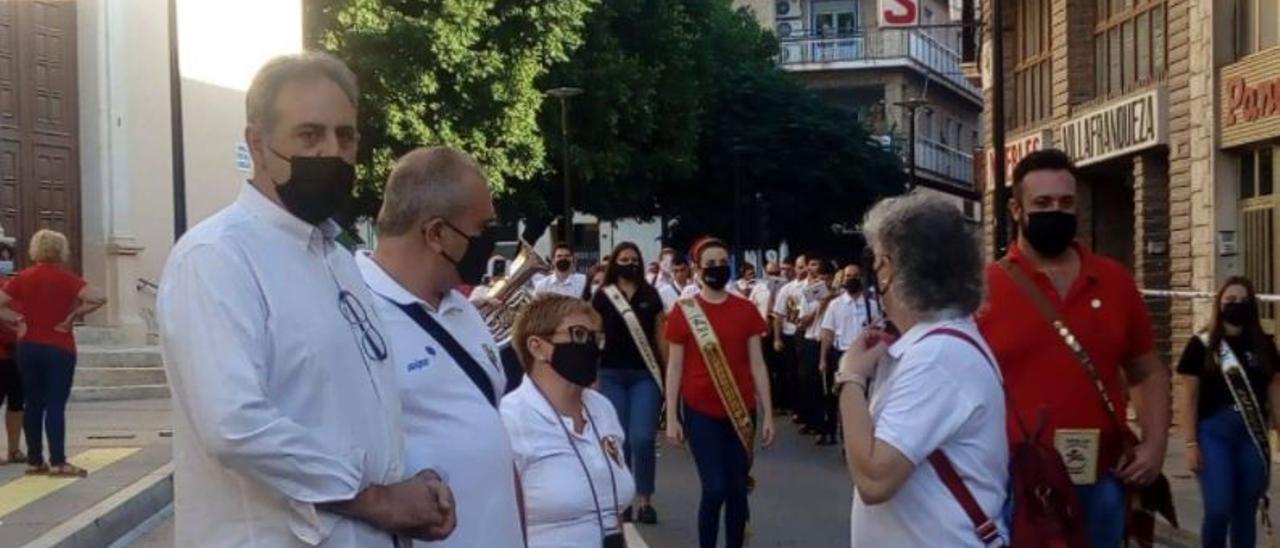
x=847, y=377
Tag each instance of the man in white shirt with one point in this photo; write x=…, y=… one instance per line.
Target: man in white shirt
x=786, y=309
x=681, y=285
x=845, y=318
x=813, y=296
x=562, y=281
x=746, y=281
x=286, y=414
x=434, y=222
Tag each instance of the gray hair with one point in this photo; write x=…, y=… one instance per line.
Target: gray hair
x=426, y=183
x=260, y=101
x=937, y=261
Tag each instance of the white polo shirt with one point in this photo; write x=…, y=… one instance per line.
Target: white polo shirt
x=557, y=496
x=811, y=298
x=786, y=294
x=573, y=285
x=846, y=317
x=449, y=425
x=930, y=393
x=670, y=294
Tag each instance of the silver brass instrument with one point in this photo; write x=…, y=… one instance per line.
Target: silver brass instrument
x=512, y=294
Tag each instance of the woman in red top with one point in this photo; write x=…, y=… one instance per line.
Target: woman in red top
x=722, y=460
x=49, y=299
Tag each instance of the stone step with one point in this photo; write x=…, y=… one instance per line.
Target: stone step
x=91, y=335
x=119, y=376
x=112, y=393
x=110, y=356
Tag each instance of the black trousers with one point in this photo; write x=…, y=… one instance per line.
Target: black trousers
x=829, y=401
x=777, y=387
x=810, y=393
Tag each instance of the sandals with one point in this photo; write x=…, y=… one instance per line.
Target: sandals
x=67, y=470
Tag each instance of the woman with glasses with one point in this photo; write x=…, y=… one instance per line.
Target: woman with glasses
x=716, y=379
x=1229, y=396
x=630, y=371
x=566, y=436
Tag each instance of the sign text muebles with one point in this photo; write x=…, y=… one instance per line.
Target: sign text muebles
x=1117, y=128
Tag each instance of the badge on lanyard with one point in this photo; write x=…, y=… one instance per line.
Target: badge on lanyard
x=1079, y=450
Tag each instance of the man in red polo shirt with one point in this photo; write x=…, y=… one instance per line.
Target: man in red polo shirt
x=1102, y=308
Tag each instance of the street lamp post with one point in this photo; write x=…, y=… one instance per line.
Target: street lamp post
x=566, y=222
x=912, y=105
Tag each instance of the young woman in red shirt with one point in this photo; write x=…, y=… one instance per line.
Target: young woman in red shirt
x=717, y=406
x=48, y=299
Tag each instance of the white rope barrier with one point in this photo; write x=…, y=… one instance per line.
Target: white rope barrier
x=1199, y=295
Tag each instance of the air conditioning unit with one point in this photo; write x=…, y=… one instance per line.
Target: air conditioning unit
x=791, y=53
x=793, y=28
x=786, y=9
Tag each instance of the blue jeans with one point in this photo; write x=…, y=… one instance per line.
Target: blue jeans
x=1104, y=511
x=46, y=379
x=638, y=401
x=1233, y=478
x=722, y=468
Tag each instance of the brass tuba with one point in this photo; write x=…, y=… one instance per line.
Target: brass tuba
x=512, y=294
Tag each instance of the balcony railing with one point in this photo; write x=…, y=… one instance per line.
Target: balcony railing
x=873, y=47
x=945, y=161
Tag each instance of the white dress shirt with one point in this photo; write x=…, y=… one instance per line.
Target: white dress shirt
x=931, y=393
x=670, y=294
x=760, y=295
x=280, y=402
x=449, y=425
x=560, y=511
x=788, y=293
x=573, y=285
x=811, y=298
x=846, y=317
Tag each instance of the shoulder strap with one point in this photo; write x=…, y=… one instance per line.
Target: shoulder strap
x=985, y=528
x=1051, y=315
x=460, y=355
x=629, y=318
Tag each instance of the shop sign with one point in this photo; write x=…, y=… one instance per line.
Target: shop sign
x=1251, y=99
x=1117, y=128
x=1014, y=151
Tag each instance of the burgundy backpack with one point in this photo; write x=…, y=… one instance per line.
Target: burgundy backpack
x=1046, y=513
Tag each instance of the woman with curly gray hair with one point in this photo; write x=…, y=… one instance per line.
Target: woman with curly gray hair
x=934, y=395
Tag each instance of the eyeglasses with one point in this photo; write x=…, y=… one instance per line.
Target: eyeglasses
x=371, y=341
x=582, y=335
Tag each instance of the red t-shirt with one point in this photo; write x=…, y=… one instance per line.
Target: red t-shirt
x=7, y=337
x=1103, y=309
x=46, y=294
x=735, y=321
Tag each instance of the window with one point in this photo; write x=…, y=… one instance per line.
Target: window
x=1128, y=44
x=1031, y=75
x=1257, y=173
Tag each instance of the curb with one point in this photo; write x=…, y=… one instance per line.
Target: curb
x=115, y=516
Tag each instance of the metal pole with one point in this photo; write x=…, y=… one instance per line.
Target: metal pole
x=737, y=200
x=175, y=120
x=1000, y=193
x=567, y=220
x=911, y=148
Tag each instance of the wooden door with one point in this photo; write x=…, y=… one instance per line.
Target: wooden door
x=39, y=129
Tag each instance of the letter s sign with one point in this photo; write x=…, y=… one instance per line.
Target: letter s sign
x=899, y=13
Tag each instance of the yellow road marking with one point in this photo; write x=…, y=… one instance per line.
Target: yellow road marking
x=28, y=489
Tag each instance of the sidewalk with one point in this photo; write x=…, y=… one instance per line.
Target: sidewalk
x=120, y=443
x=1186, y=495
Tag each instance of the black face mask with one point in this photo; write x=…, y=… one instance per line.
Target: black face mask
x=577, y=363
x=630, y=272
x=716, y=277
x=471, y=267
x=563, y=265
x=1050, y=232
x=318, y=186
x=853, y=286
x=1238, y=314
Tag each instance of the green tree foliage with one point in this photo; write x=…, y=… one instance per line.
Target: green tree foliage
x=456, y=72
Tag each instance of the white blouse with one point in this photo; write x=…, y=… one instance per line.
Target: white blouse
x=557, y=495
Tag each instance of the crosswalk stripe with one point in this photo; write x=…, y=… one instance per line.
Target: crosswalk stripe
x=632, y=536
x=28, y=489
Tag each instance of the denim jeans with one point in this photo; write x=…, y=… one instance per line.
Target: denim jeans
x=1104, y=511
x=638, y=401
x=722, y=469
x=1233, y=478
x=46, y=380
